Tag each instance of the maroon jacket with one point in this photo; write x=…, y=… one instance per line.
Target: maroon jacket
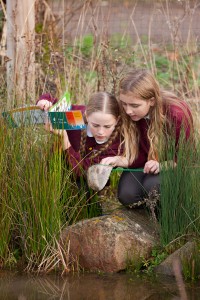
x=79, y=164
x=177, y=119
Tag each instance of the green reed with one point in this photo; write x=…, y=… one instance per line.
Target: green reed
x=5, y=210
x=180, y=190
x=38, y=197
x=191, y=264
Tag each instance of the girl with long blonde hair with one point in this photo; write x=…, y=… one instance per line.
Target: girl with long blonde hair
x=151, y=119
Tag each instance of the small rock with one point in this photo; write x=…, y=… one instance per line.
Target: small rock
x=166, y=267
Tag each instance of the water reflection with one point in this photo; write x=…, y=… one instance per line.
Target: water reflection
x=88, y=287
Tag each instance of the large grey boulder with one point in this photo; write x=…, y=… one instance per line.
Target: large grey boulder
x=108, y=243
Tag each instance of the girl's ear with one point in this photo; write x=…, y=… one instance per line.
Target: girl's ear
x=152, y=101
x=118, y=119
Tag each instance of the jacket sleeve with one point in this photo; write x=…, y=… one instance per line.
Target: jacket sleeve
x=182, y=122
x=75, y=135
x=47, y=97
x=80, y=165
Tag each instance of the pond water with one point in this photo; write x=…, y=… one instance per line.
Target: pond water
x=90, y=287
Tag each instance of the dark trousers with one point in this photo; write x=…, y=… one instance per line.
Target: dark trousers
x=135, y=186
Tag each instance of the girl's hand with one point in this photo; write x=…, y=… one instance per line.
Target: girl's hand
x=152, y=167
x=115, y=161
x=60, y=132
x=44, y=104
x=48, y=127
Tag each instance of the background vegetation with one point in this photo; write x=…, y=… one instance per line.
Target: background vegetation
x=38, y=195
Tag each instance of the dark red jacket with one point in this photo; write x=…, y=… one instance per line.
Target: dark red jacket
x=78, y=163
x=177, y=118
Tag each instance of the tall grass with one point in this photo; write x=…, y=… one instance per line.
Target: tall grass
x=179, y=194
x=38, y=196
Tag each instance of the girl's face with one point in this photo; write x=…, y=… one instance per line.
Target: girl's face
x=44, y=104
x=101, y=125
x=134, y=107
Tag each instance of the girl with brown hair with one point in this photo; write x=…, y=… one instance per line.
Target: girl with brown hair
x=101, y=138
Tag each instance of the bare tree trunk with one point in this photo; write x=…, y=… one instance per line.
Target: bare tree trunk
x=20, y=51
x=3, y=36
x=3, y=43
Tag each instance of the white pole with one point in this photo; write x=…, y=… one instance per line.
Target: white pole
x=20, y=51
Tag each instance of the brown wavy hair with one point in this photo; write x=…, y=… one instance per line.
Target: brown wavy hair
x=142, y=84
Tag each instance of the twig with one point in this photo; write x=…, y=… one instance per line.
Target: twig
x=3, y=8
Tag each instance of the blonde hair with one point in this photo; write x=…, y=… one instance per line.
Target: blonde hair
x=106, y=103
x=142, y=84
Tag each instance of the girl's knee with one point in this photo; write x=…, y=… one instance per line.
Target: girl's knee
x=128, y=199
x=151, y=182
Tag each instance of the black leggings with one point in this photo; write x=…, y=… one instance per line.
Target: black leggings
x=135, y=186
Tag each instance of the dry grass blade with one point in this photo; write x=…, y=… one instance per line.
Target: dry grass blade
x=64, y=257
